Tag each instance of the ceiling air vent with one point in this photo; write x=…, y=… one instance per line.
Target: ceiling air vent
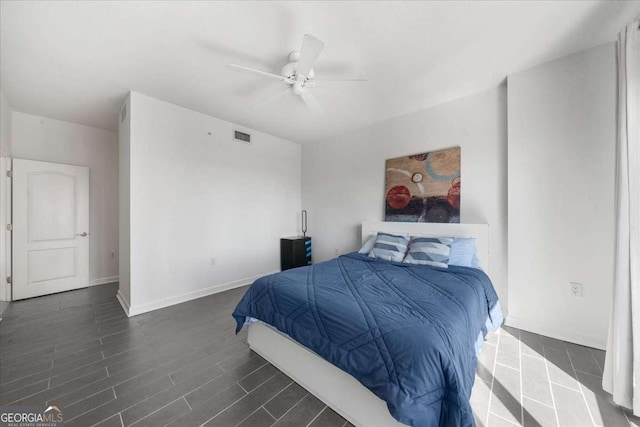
x=241, y=136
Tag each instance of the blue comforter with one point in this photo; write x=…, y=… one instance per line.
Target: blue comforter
x=406, y=332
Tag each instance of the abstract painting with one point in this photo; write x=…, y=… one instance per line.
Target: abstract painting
x=423, y=187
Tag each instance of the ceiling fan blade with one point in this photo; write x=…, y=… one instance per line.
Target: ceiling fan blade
x=312, y=102
x=309, y=53
x=259, y=72
x=340, y=80
x=322, y=83
x=271, y=97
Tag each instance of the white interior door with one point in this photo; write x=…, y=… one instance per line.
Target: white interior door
x=50, y=228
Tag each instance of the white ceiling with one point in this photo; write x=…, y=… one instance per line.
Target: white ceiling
x=75, y=61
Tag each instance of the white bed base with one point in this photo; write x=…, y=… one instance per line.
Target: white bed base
x=337, y=389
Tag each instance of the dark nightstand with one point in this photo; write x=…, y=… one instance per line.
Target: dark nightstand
x=295, y=252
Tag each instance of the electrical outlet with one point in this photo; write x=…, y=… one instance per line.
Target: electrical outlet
x=575, y=289
x=212, y=261
x=112, y=254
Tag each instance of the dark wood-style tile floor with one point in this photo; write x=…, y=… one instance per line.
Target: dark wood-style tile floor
x=525, y=379
x=180, y=366
x=184, y=366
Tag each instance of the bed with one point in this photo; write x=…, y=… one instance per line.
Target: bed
x=381, y=343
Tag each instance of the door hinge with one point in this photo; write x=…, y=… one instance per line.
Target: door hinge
x=9, y=280
x=10, y=174
x=10, y=227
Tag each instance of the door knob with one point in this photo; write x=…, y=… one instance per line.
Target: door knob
x=84, y=234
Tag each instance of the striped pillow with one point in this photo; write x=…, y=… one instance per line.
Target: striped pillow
x=432, y=251
x=389, y=247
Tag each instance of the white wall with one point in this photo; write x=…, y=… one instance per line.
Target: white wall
x=561, y=195
x=5, y=188
x=44, y=139
x=196, y=196
x=5, y=126
x=343, y=177
x=124, y=197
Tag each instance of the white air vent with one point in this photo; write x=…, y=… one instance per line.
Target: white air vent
x=123, y=113
x=241, y=136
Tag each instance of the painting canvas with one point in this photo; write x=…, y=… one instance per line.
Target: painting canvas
x=424, y=187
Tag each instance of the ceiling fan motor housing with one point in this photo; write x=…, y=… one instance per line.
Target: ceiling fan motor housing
x=294, y=55
x=290, y=69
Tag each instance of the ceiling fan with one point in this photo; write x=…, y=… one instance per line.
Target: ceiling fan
x=298, y=74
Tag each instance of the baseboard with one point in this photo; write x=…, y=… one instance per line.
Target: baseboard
x=104, y=280
x=123, y=302
x=537, y=328
x=133, y=310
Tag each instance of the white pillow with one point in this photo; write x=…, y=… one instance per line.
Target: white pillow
x=368, y=245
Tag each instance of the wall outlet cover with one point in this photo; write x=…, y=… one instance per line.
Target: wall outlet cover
x=575, y=289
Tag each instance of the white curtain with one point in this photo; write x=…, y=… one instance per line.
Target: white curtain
x=622, y=366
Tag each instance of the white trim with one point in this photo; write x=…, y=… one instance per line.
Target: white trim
x=5, y=239
x=123, y=302
x=337, y=389
x=478, y=231
x=538, y=328
x=134, y=310
x=104, y=280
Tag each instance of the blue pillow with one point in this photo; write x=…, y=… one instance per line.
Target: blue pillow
x=389, y=247
x=463, y=252
x=432, y=251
